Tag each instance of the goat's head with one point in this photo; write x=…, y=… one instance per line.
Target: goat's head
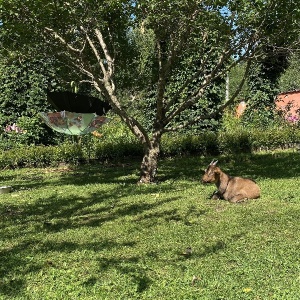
x=211, y=174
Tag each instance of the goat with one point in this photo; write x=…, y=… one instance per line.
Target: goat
x=233, y=189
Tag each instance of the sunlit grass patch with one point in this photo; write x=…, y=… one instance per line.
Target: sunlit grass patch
x=93, y=233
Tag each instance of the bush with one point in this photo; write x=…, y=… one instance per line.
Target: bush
x=280, y=137
x=41, y=156
x=181, y=144
x=32, y=156
x=117, y=150
x=234, y=142
x=116, y=142
x=239, y=136
x=31, y=131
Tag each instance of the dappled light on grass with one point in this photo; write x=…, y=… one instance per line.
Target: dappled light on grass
x=93, y=233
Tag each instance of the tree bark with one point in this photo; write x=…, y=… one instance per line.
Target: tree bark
x=150, y=160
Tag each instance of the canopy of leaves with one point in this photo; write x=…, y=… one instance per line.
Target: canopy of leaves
x=170, y=51
x=23, y=84
x=290, y=79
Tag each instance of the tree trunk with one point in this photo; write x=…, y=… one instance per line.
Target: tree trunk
x=150, y=160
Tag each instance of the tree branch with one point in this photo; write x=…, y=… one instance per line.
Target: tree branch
x=218, y=71
x=183, y=31
x=62, y=40
x=196, y=96
x=105, y=85
x=135, y=127
x=109, y=59
x=189, y=80
x=96, y=53
x=220, y=108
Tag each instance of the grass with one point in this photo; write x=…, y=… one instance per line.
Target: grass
x=92, y=233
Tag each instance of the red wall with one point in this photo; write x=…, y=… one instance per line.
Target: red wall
x=289, y=103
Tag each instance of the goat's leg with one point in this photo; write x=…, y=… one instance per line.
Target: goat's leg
x=238, y=198
x=216, y=195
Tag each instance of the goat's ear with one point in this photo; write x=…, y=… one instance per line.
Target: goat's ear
x=217, y=171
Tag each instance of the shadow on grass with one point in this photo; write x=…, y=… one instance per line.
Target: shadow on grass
x=55, y=214
x=277, y=165
x=14, y=263
x=191, y=168
x=80, y=176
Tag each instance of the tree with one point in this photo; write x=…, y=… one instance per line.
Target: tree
x=290, y=81
x=172, y=49
x=263, y=84
x=235, y=75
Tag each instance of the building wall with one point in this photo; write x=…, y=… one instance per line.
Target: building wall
x=289, y=103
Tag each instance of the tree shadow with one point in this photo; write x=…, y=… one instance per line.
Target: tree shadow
x=275, y=165
x=209, y=249
x=60, y=214
x=130, y=266
x=212, y=249
x=54, y=214
x=257, y=165
x=12, y=262
x=281, y=165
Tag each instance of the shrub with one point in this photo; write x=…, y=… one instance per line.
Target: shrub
x=32, y=156
x=118, y=142
x=41, y=156
x=117, y=149
x=204, y=143
x=234, y=142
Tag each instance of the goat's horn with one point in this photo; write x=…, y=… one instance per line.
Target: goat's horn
x=215, y=162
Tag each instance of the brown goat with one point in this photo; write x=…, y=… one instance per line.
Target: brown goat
x=233, y=189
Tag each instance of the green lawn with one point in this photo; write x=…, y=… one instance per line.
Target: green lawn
x=93, y=233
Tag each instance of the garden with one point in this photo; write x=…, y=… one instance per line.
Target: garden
x=76, y=224
x=119, y=211
x=90, y=232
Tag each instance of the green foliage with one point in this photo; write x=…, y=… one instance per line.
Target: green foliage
x=160, y=64
x=33, y=132
x=116, y=143
x=23, y=85
x=41, y=156
x=69, y=153
x=34, y=156
x=235, y=76
x=234, y=143
x=289, y=80
x=117, y=150
x=165, y=47
x=183, y=144
x=93, y=233
x=263, y=85
x=240, y=136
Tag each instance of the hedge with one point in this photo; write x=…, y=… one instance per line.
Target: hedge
x=205, y=143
